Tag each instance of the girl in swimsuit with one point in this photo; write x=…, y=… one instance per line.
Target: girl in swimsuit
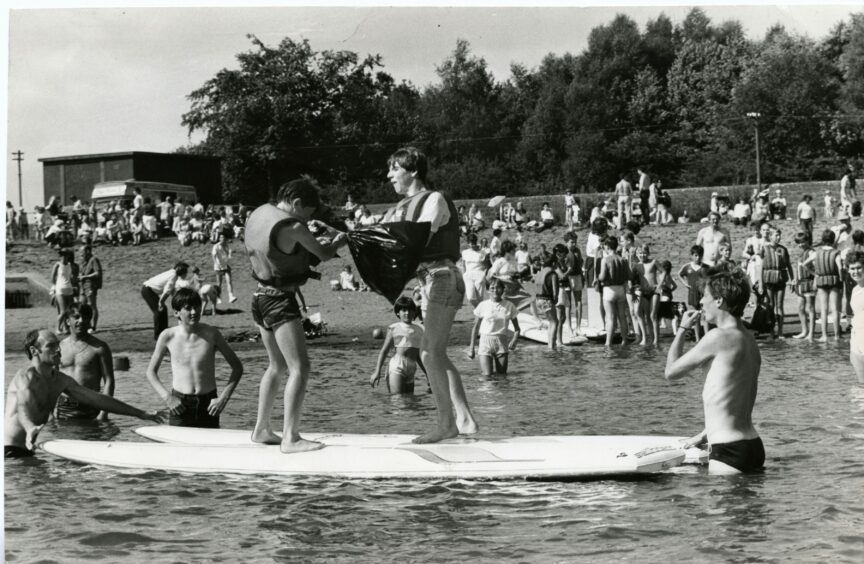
x=405, y=337
x=805, y=288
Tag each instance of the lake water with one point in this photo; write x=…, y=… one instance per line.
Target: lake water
x=808, y=506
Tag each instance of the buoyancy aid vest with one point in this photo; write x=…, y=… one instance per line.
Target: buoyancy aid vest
x=270, y=265
x=825, y=265
x=546, y=289
x=444, y=243
x=774, y=268
x=617, y=271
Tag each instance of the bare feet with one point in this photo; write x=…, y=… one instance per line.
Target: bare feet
x=823, y=339
x=300, y=445
x=436, y=436
x=800, y=336
x=266, y=437
x=467, y=427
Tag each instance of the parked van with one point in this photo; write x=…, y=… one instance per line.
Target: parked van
x=124, y=190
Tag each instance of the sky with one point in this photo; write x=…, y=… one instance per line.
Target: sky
x=115, y=78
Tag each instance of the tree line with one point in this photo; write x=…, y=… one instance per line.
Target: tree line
x=674, y=99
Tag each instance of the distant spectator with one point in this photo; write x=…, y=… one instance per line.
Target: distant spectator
x=520, y=215
x=848, y=194
x=476, y=215
x=645, y=205
x=547, y=218
x=828, y=203
x=569, y=202
x=23, y=223
x=623, y=197
x=778, y=205
x=347, y=280
x=366, y=217
x=684, y=218
x=138, y=199
x=761, y=211
x=806, y=214
x=10, y=222
x=741, y=212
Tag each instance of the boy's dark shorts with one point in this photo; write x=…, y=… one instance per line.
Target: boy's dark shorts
x=195, y=414
x=272, y=307
x=745, y=456
x=12, y=451
x=70, y=408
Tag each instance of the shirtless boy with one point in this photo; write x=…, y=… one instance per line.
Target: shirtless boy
x=733, y=375
x=193, y=401
x=709, y=238
x=34, y=391
x=90, y=363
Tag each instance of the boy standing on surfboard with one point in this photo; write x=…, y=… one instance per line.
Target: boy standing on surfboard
x=733, y=375
x=282, y=249
x=34, y=390
x=193, y=401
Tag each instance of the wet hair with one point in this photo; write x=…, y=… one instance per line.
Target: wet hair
x=611, y=242
x=858, y=237
x=507, y=247
x=412, y=160
x=803, y=237
x=405, y=303
x=181, y=268
x=31, y=340
x=828, y=237
x=303, y=188
x=185, y=297
x=733, y=288
x=697, y=250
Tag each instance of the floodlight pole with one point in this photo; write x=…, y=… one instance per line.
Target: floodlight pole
x=755, y=117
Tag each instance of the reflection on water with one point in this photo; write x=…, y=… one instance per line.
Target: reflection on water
x=807, y=506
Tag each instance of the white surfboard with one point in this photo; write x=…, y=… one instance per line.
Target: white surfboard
x=242, y=437
x=536, y=330
x=511, y=458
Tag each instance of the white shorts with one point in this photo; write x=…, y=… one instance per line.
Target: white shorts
x=614, y=293
x=492, y=345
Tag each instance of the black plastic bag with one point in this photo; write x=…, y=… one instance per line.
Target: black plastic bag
x=387, y=254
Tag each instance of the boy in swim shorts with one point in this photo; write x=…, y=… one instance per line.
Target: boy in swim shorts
x=733, y=375
x=192, y=400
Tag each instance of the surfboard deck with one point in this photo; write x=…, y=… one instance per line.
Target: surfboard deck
x=380, y=456
x=536, y=330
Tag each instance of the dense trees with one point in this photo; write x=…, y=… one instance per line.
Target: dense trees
x=671, y=98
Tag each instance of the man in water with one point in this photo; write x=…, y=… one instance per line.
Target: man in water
x=90, y=363
x=733, y=375
x=34, y=391
x=710, y=237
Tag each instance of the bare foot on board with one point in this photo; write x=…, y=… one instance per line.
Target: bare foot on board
x=300, y=445
x=436, y=436
x=265, y=437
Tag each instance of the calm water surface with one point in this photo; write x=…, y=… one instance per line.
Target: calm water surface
x=807, y=506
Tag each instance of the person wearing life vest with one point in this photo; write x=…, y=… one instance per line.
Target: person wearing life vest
x=776, y=273
x=281, y=250
x=442, y=287
x=827, y=266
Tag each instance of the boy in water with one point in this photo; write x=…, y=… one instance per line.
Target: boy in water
x=193, y=401
x=733, y=375
x=34, y=391
x=90, y=362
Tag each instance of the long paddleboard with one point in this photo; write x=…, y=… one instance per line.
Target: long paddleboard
x=537, y=330
x=385, y=456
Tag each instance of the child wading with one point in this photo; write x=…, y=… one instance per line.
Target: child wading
x=405, y=337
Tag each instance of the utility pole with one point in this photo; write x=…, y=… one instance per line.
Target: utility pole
x=755, y=117
x=19, y=156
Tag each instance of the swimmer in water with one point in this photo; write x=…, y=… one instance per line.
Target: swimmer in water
x=734, y=361
x=405, y=337
x=491, y=318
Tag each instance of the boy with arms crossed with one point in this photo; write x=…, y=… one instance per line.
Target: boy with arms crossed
x=733, y=375
x=192, y=401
